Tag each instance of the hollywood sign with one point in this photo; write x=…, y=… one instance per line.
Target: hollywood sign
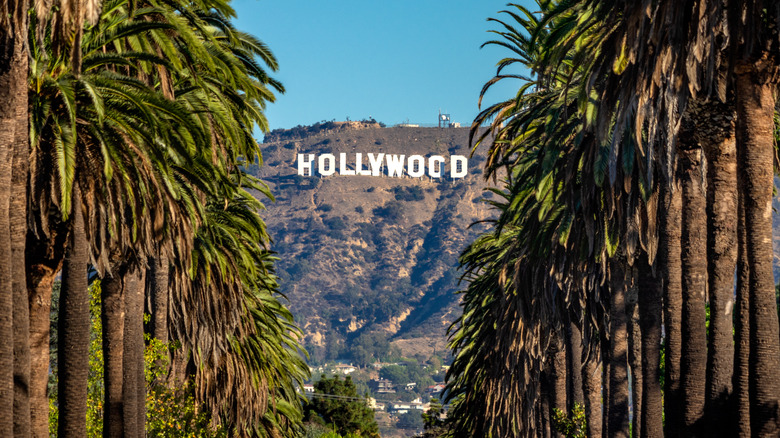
x=397, y=166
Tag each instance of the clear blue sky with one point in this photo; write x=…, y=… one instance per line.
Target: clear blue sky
x=392, y=60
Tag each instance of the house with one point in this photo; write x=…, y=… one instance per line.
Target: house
x=344, y=369
x=381, y=386
x=400, y=407
x=410, y=386
x=434, y=390
x=376, y=406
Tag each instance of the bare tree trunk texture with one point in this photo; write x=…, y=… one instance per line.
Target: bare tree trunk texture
x=133, y=382
x=557, y=375
x=18, y=222
x=635, y=356
x=41, y=280
x=715, y=124
x=158, y=281
x=605, y=372
x=11, y=80
x=755, y=139
x=591, y=383
x=113, y=320
x=73, y=330
x=694, y=284
x=573, y=338
x=671, y=269
x=650, y=304
x=618, y=423
x=742, y=334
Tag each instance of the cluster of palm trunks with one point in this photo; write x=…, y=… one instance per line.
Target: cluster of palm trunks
x=634, y=238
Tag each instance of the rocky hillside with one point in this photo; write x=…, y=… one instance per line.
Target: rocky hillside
x=371, y=260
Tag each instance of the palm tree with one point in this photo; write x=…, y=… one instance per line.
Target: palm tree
x=714, y=125
x=742, y=332
x=694, y=283
x=21, y=311
x=755, y=88
x=670, y=254
x=62, y=99
x=650, y=304
x=618, y=343
x=73, y=339
x=13, y=75
x=535, y=136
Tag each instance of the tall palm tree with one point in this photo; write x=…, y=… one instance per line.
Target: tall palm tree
x=652, y=71
x=535, y=136
x=618, y=368
x=91, y=108
x=13, y=75
x=755, y=62
x=742, y=333
x=73, y=339
x=714, y=126
x=650, y=305
x=694, y=283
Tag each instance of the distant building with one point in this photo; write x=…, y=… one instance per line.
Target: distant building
x=344, y=369
x=400, y=407
x=374, y=405
x=434, y=390
x=410, y=386
x=381, y=386
x=308, y=389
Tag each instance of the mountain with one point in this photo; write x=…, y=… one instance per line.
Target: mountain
x=369, y=263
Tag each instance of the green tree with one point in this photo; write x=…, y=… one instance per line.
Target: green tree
x=397, y=374
x=336, y=404
x=410, y=420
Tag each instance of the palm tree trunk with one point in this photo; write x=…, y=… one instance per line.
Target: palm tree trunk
x=618, y=423
x=557, y=376
x=605, y=372
x=133, y=383
x=40, y=281
x=591, y=384
x=635, y=358
x=158, y=279
x=73, y=330
x=715, y=131
x=755, y=129
x=671, y=270
x=18, y=221
x=650, y=296
x=694, y=284
x=12, y=78
x=573, y=338
x=544, y=404
x=113, y=320
x=742, y=333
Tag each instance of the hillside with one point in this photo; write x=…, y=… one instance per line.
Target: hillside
x=368, y=260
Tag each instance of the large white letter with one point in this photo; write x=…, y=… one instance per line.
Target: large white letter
x=359, y=165
x=416, y=166
x=343, y=165
x=395, y=166
x=331, y=159
x=434, y=171
x=459, y=166
x=376, y=163
x=303, y=165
